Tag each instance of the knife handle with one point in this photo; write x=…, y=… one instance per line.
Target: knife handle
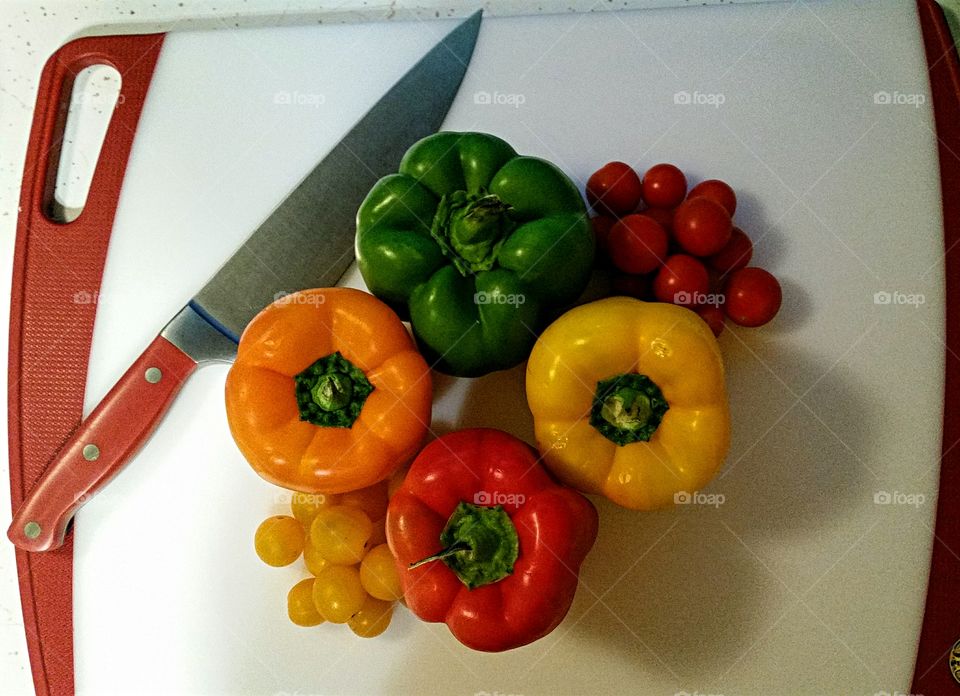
x=101, y=445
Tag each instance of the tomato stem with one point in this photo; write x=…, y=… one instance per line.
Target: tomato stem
x=627, y=408
x=331, y=392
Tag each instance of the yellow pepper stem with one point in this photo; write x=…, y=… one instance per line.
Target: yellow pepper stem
x=627, y=408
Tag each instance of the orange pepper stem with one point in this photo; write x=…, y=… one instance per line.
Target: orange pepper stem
x=627, y=408
x=331, y=392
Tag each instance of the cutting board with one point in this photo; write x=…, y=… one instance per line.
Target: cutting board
x=804, y=580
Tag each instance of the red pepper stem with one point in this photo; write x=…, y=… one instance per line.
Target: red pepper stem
x=446, y=553
x=480, y=544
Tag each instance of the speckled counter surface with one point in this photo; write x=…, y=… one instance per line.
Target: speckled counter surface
x=31, y=30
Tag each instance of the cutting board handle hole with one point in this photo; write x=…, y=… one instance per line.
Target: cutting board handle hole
x=90, y=103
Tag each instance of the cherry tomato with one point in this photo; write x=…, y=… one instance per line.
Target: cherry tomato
x=753, y=296
x=305, y=506
x=717, y=191
x=713, y=315
x=313, y=560
x=396, y=480
x=664, y=186
x=664, y=216
x=372, y=500
x=372, y=618
x=300, y=607
x=378, y=574
x=682, y=280
x=637, y=244
x=338, y=594
x=632, y=285
x=602, y=224
x=278, y=540
x=735, y=254
x=340, y=534
x=701, y=226
x=615, y=189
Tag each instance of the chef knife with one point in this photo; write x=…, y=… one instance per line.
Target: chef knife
x=307, y=241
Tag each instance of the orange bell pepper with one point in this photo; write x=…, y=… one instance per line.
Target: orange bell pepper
x=328, y=393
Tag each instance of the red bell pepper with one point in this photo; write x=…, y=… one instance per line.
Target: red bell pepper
x=486, y=541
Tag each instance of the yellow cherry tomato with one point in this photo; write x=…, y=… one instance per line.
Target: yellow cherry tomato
x=378, y=573
x=278, y=540
x=340, y=534
x=396, y=478
x=372, y=619
x=379, y=534
x=372, y=500
x=305, y=506
x=338, y=594
x=300, y=607
x=312, y=559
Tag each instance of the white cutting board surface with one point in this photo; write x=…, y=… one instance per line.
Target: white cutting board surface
x=798, y=583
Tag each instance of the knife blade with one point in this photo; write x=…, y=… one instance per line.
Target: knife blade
x=307, y=241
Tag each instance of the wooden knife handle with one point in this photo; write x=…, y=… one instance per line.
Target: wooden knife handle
x=101, y=445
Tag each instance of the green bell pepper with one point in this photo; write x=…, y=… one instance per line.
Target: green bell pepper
x=477, y=246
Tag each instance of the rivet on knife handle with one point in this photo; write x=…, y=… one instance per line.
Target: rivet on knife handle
x=101, y=445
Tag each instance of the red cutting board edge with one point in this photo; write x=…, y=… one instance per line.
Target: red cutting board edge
x=51, y=332
x=45, y=580
x=941, y=620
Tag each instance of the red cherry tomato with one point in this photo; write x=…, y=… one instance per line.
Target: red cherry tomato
x=662, y=215
x=713, y=315
x=602, y=224
x=681, y=280
x=701, y=226
x=753, y=296
x=735, y=254
x=632, y=285
x=615, y=189
x=637, y=244
x=664, y=186
x=718, y=192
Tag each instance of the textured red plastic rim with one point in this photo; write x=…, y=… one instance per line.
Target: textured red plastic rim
x=51, y=332
x=941, y=619
x=57, y=270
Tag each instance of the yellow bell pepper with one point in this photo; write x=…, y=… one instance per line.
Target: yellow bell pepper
x=629, y=401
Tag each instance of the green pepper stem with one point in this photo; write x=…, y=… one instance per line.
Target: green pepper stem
x=480, y=545
x=471, y=228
